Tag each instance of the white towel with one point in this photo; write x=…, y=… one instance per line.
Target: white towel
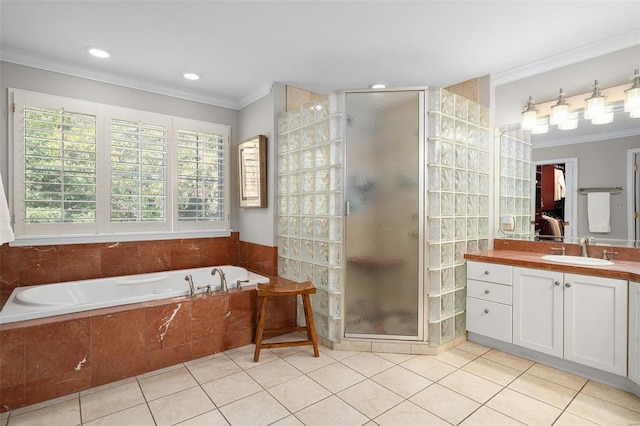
x=559, y=187
x=599, y=211
x=6, y=233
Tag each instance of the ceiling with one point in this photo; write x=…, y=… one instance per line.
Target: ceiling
x=241, y=47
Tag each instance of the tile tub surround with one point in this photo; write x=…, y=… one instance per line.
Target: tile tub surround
x=32, y=265
x=50, y=357
x=24, y=266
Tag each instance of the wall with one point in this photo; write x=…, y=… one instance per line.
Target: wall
x=600, y=163
x=259, y=225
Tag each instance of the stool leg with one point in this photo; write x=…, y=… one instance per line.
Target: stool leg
x=311, y=328
x=260, y=330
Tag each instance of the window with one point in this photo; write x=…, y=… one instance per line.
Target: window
x=100, y=172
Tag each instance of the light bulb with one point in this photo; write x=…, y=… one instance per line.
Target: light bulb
x=560, y=111
x=632, y=96
x=595, y=104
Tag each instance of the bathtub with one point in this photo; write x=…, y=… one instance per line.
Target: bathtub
x=75, y=296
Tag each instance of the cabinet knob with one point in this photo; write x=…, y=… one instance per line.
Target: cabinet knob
x=486, y=311
x=486, y=292
x=557, y=283
x=567, y=285
x=486, y=272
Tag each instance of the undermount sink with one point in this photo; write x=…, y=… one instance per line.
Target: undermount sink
x=577, y=260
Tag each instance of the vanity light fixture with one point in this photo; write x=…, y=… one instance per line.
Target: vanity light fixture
x=378, y=86
x=190, y=75
x=98, y=52
x=560, y=111
x=632, y=96
x=529, y=115
x=570, y=123
x=596, y=109
x=595, y=105
x=605, y=118
x=541, y=127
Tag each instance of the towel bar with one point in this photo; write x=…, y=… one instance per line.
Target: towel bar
x=613, y=190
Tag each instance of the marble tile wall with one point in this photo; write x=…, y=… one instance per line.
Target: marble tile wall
x=33, y=265
x=46, y=358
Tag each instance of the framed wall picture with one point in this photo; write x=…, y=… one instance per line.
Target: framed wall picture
x=252, y=172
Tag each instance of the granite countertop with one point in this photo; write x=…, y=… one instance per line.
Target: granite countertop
x=623, y=269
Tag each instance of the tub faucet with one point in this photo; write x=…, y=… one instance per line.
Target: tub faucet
x=189, y=279
x=223, y=280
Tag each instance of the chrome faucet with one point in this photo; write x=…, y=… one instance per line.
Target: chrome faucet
x=189, y=279
x=239, y=284
x=223, y=279
x=584, y=246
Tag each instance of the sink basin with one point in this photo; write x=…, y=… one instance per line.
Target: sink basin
x=577, y=260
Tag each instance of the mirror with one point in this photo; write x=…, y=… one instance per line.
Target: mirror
x=252, y=172
x=601, y=159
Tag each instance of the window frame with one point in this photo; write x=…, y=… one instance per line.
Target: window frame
x=103, y=230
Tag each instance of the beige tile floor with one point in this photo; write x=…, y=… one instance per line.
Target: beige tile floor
x=467, y=385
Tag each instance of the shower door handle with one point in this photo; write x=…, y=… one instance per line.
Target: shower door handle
x=347, y=208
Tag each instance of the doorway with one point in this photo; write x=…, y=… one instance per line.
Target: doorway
x=554, y=190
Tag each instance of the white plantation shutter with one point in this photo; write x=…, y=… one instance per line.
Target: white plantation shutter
x=201, y=176
x=84, y=171
x=59, y=166
x=138, y=172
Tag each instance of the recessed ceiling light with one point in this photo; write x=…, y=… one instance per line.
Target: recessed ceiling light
x=98, y=52
x=378, y=86
x=190, y=75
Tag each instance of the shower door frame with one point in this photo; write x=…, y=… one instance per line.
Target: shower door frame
x=422, y=209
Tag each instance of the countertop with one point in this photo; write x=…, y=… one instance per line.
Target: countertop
x=623, y=269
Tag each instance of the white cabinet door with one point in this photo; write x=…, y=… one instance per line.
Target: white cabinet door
x=634, y=331
x=537, y=310
x=595, y=322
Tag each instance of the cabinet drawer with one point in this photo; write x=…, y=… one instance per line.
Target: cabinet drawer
x=489, y=319
x=491, y=272
x=489, y=291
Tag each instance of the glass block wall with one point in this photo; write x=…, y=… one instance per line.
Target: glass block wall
x=458, y=166
x=515, y=180
x=310, y=197
x=310, y=189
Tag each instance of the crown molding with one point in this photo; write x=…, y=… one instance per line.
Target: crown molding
x=601, y=47
x=259, y=93
x=598, y=137
x=30, y=60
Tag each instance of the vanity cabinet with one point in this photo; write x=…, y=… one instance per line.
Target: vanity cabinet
x=538, y=310
x=489, y=300
x=578, y=317
x=634, y=331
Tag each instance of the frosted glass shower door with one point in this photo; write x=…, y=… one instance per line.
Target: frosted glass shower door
x=382, y=222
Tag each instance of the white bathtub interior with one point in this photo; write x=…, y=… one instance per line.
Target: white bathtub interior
x=54, y=299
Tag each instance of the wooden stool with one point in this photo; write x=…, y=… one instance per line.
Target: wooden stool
x=288, y=289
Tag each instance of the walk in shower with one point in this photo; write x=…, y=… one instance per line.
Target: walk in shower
x=380, y=195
